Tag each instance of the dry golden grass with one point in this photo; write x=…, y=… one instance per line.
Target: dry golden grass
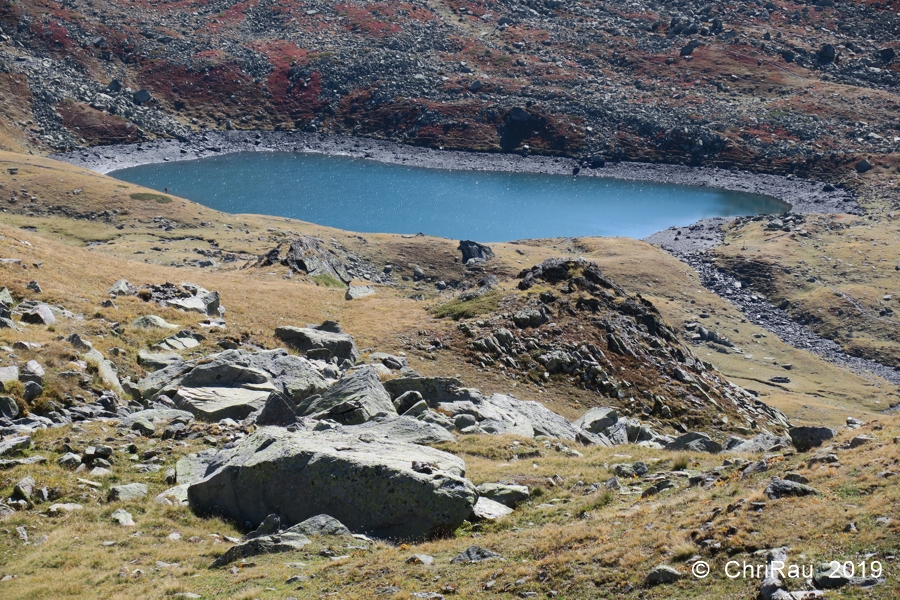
x=582, y=545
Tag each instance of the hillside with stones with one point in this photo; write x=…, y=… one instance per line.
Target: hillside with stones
x=781, y=86
x=161, y=439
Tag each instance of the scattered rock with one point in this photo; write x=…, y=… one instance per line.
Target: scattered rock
x=662, y=574
x=807, y=437
x=780, y=488
x=127, y=492
x=474, y=554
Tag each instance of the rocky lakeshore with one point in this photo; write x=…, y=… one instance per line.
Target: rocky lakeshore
x=802, y=195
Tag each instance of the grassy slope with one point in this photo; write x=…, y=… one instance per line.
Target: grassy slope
x=581, y=545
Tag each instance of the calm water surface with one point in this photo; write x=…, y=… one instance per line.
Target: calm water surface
x=369, y=196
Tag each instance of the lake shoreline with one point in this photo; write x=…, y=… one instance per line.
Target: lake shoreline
x=804, y=196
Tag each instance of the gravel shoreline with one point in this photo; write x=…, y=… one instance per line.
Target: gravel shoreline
x=803, y=196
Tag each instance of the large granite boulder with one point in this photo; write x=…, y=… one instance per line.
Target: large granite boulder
x=323, y=340
x=373, y=486
x=354, y=399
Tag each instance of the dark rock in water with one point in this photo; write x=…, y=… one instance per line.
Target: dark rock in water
x=474, y=554
x=597, y=162
x=474, y=251
x=365, y=482
x=808, y=437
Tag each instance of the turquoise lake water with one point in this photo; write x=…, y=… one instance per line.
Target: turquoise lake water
x=369, y=196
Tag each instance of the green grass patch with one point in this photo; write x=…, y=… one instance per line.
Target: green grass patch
x=327, y=280
x=146, y=197
x=466, y=309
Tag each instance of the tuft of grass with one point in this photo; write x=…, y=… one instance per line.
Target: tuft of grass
x=146, y=197
x=680, y=462
x=326, y=280
x=601, y=500
x=466, y=309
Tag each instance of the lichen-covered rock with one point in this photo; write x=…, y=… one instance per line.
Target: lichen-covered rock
x=368, y=484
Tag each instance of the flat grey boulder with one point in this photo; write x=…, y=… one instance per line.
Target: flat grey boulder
x=808, y=437
x=489, y=510
x=183, y=340
x=320, y=525
x=213, y=404
x=781, y=488
x=356, y=398
x=306, y=339
x=597, y=420
x=695, y=442
x=14, y=445
x=127, y=492
x=8, y=375
x=662, y=574
x=368, y=484
x=155, y=415
x=267, y=544
x=152, y=321
x=154, y=361
x=764, y=442
x=355, y=292
x=507, y=494
x=404, y=429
